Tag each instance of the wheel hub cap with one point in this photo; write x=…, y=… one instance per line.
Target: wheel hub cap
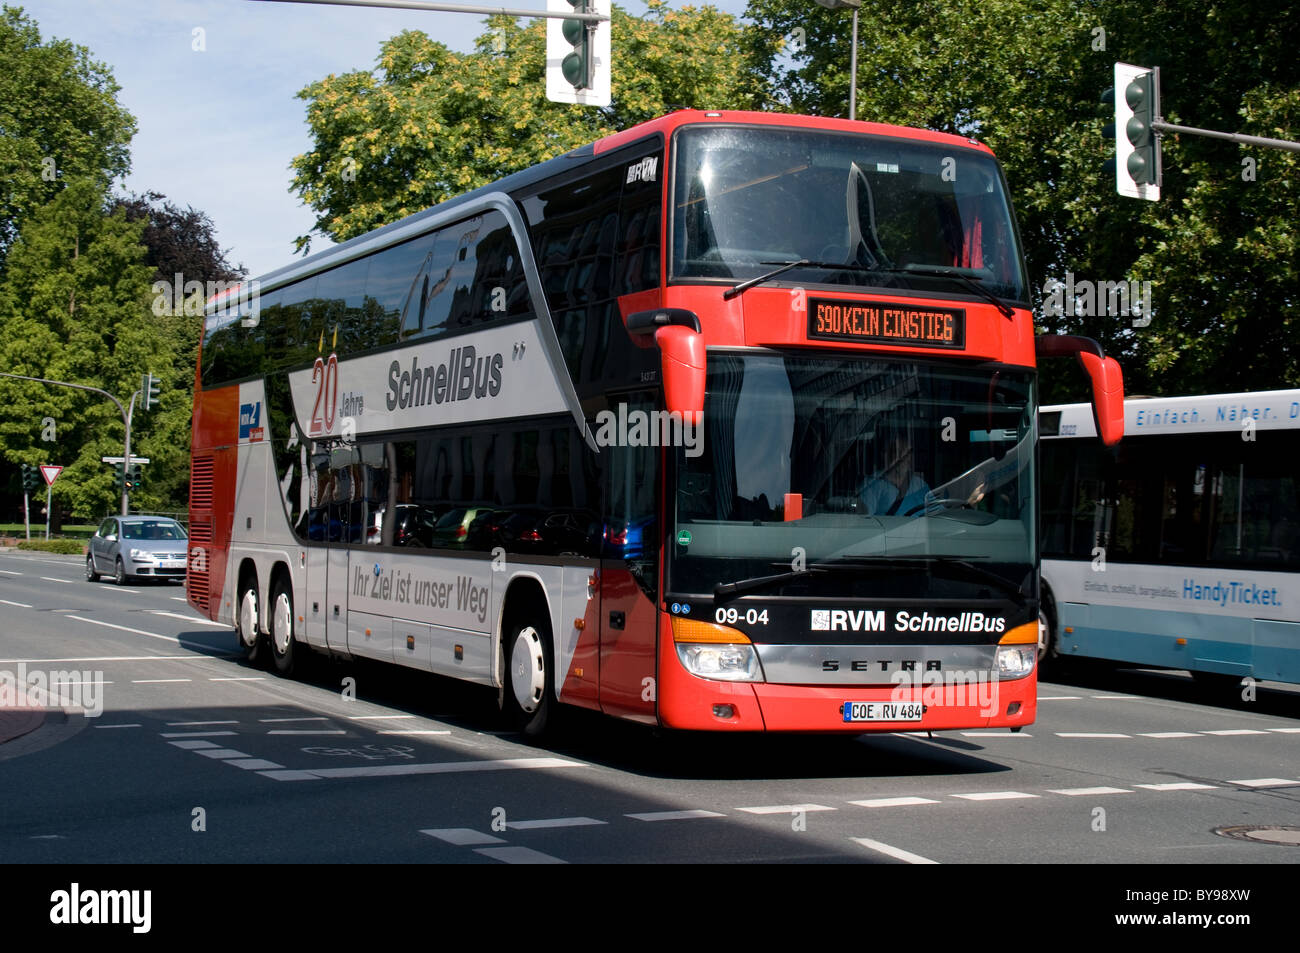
x=528, y=670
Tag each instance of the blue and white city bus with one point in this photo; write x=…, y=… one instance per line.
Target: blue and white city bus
x=1180, y=547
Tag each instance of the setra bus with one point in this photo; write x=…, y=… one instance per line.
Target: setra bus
x=1181, y=547
x=723, y=422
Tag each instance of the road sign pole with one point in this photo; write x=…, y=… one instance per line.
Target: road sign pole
x=27, y=518
x=49, y=499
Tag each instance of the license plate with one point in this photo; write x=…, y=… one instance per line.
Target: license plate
x=882, y=711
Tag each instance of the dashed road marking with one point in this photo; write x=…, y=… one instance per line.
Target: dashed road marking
x=1090, y=734
x=189, y=618
x=550, y=822
x=1237, y=731
x=255, y=764
x=158, y=681
x=21, y=605
x=518, y=855
x=239, y=678
x=1088, y=792
x=220, y=754
x=415, y=731
x=440, y=767
x=462, y=836
x=127, y=628
x=673, y=815
x=376, y=717
x=1265, y=783
x=894, y=801
x=197, y=734
x=270, y=721
x=194, y=745
x=1171, y=734
x=785, y=808
x=896, y=852
x=994, y=796
x=1177, y=786
x=120, y=726
x=198, y=724
x=307, y=731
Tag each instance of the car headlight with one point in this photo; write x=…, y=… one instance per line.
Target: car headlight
x=139, y=554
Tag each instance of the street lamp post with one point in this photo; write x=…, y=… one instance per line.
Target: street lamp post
x=853, y=54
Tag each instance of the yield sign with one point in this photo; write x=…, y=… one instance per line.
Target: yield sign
x=50, y=472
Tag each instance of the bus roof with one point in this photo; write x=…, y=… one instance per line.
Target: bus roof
x=1209, y=413
x=663, y=126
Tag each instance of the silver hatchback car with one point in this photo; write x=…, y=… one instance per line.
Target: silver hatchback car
x=152, y=547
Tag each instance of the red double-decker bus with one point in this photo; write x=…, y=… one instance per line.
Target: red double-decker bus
x=724, y=422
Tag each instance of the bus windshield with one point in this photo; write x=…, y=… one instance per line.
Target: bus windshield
x=861, y=209
x=905, y=467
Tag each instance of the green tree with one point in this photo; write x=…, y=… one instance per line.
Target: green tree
x=430, y=123
x=1024, y=77
x=75, y=306
x=59, y=121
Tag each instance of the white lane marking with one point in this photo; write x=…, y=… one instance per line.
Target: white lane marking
x=198, y=724
x=20, y=605
x=194, y=745
x=158, y=681
x=1115, y=696
x=122, y=658
x=376, y=717
x=1177, y=786
x=518, y=855
x=784, y=808
x=189, y=618
x=197, y=734
x=1171, y=734
x=56, y=579
x=896, y=852
x=442, y=767
x=1090, y=734
x=993, y=796
x=222, y=753
x=271, y=721
x=549, y=822
x=1288, y=731
x=995, y=734
x=1059, y=698
x=241, y=678
x=1265, y=783
x=132, y=592
x=179, y=599
x=414, y=731
x=1088, y=792
x=10, y=572
x=255, y=764
x=119, y=726
x=461, y=836
x=673, y=815
x=125, y=628
x=307, y=731
x=1237, y=731
x=894, y=801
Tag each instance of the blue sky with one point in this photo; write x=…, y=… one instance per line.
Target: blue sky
x=218, y=127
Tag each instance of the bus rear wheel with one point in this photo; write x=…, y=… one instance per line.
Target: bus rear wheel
x=281, y=627
x=246, y=623
x=529, y=677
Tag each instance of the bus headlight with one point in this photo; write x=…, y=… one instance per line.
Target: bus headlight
x=730, y=663
x=715, y=651
x=1018, y=652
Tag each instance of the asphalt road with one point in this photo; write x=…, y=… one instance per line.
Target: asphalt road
x=198, y=757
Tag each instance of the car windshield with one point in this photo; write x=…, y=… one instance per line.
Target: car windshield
x=850, y=209
x=152, y=529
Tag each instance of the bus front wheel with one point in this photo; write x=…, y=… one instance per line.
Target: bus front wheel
x=528, y=677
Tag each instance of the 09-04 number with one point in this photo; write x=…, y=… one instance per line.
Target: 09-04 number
x=749, y=617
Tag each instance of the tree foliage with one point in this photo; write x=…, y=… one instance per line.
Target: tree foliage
x=75, y=306
x=1025, y=78
x=59, y=121
x=430, y=123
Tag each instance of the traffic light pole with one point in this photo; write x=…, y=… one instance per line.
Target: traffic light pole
x=1161, y=126
x=126, y=420
x=453, y=8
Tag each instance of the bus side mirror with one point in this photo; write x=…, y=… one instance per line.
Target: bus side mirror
x=1107, y=396
x=677, y=334
x=1107, y=379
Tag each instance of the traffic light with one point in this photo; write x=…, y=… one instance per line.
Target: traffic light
x=149, y=390
x=577, y=54
x=117, y=474
x=1136, y=99
x=31, y=478
x=133, y=477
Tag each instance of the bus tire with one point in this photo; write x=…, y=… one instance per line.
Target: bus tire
x=281, y=627
x=246, y=621
x=529, y=675
x=1048, y=650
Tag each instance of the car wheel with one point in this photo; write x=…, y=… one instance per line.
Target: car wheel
x=528, y=686
x=246, y=624
x=281, y=627
x=91, y=575
x=119, y=573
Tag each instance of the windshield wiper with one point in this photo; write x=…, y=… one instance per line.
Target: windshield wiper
x=968, y=570
x=935, y=271
x=785, y=266
x=727, y=590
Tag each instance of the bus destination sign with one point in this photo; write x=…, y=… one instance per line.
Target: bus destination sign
x=886, y=322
